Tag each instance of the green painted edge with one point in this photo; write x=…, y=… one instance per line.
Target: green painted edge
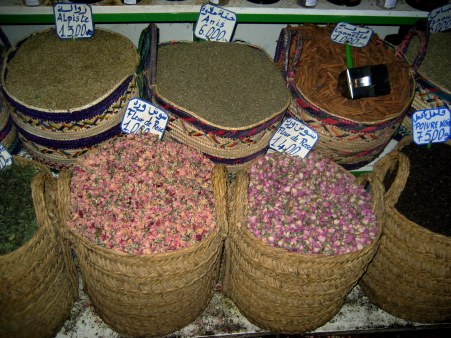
x=192, y=17
x=360, y=173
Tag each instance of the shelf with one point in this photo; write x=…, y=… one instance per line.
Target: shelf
x=285, y=11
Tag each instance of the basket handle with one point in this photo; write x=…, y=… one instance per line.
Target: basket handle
x=147, y=49
x=395, y=160
x=51, y=200
x=283, y=50
x=377, y=194
x=286, y=38
x=219, y=180
x=420, y=29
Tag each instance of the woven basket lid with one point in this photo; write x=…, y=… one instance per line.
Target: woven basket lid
x=436, y=63
x=59, y=74
x=231, y=85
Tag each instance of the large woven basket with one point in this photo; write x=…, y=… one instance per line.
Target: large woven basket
x=352, y=141
x=37, y=281
x=284, y=291
x=430, y=91
x=154, y=294
x=410, y=276
x=58, y=138
x=233, y=147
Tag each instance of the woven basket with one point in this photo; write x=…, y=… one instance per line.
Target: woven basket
x=8, y=133
x=155, y=294
x=350, y=141
x=430, y=92
x=285, y=291
x=58, y=138
x=410, y=276
x=37, y=284
x=233, y=147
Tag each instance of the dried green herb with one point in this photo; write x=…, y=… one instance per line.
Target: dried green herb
x=17, y=215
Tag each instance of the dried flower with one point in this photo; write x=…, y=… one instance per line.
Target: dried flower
x=140, y=196
x=310, y=206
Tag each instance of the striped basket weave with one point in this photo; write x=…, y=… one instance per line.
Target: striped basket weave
x=58, y=138
x=349, y=142
x=38, y=286
x=233, y=147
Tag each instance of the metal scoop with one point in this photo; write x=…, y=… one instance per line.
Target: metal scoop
x=366, y=81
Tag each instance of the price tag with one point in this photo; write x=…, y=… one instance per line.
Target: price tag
x=431, y=125
x=5, y=157
x=294, y=137
x=141, y=116
x=355, y=36
x=73, y=20
x=215, y=23
x=440, y=19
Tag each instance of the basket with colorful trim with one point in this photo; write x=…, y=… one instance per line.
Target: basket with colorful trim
x=68, y=96
x=224, y=99
x=351, y=132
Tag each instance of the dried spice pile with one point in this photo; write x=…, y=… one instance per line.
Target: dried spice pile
x=227, y=84
x=425, y=199
x=17, y=214
x=310, y=206
x=52, y=73
x=323, y=60
x=436, y=63
x=139, y=196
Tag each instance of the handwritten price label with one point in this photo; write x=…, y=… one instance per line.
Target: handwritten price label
x=215, y=23
x=73, y=20
x=5, y=157
x=141, y=116
x=431, y=125
x=294, y=137
x=440, y=19
x=345, y=33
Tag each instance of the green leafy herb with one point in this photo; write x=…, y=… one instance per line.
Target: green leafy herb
x=17, y=215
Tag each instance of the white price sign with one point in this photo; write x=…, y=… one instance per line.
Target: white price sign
x=215, y=23
x=440, y=19
x=73, y=21
x=141, y=116
x=294, y=137
x=5, y=157
x=356, y=36
x=431, y=125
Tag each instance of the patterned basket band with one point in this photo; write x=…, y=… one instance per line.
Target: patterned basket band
x=83, y=113
x=208, y=128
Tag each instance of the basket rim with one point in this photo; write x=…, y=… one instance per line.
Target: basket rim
x=73, y=110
